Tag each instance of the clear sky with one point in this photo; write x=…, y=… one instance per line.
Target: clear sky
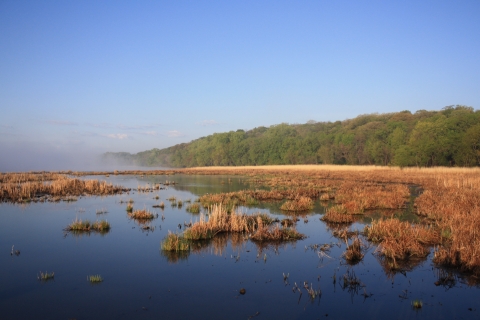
x=79, y=78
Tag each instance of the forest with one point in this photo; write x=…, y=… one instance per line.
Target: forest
x=449, y=137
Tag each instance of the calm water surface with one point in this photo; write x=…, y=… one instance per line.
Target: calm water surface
x=142, y=282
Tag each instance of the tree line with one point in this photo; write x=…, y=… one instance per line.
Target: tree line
x=449, y=137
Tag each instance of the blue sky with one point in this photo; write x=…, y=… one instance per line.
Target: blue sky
x=78, y=78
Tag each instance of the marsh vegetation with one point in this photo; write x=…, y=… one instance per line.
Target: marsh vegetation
x=348, y=228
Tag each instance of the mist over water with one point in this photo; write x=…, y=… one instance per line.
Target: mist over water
x=32, y=157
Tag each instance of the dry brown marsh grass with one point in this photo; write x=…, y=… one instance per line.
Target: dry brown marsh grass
x=142, y=214
x=450, y=198
x=85, y=225
x=257, y=225
x=265, y=233
x=338, y=214
x=175, y=242
x=21, y=177
x=355, y=251
x=298, y=204
x=401, y=240
x=357, y=197
x=62, y=187
x=461, y=235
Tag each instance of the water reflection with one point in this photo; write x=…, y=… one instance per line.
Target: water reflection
x=80, y=234
x=393, y=267
x=219, y=245
x=175, y=256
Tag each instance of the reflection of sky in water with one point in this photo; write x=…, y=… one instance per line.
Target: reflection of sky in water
x=140, y=281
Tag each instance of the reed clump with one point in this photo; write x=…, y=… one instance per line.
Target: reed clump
x=461, y=240
x=142, y=214
x=46, y=276
x=257, y=225
x=355, y=251
x=175, y=242
x=264, y=233
x=298, y=204
x=193, y=208
x=95, y=278
x=401, y=240
x=62, y=186
x=85, y=225
x=338, y=214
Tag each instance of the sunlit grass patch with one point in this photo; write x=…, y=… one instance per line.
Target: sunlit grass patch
x=401, y=240
x=265, y=233
x=95, y=278
x=86, y=225
x=298, y=204
x=193, y=208
x=338, y=214
x=143, y=214
x=175, y=242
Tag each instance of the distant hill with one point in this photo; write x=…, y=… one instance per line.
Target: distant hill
x=449, y=137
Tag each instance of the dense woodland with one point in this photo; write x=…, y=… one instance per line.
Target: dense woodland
x=449, y=137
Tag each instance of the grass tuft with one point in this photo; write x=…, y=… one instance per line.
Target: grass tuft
x=193, y=208
x=86, y=225
x=95, y=278
x=143, y=214
x=175, y=242
x=46, y=276
x=417, y=304
x=298, y=204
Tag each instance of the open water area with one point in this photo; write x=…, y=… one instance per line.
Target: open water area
x=140, y=281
